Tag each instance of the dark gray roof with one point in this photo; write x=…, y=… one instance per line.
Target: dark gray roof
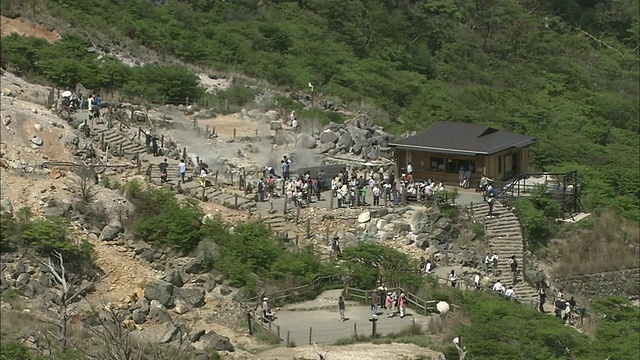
x=464, y=139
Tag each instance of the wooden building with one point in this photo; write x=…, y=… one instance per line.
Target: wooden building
x=445, y=148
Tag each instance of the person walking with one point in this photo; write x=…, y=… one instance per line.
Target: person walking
x=261, y=189
x=402, y=304
x=163, y=171
x=513, y=265
x=375, y=301
x=341, y=307
x=453, y=278
x=542, y=296
x=182, y=170
x=491, y=200
x=389, y=304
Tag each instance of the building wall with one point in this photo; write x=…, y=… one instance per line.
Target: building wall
x=429, y=165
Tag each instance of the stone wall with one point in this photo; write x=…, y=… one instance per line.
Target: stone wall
x=622, y=283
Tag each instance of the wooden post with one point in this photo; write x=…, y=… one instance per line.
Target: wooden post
x=308, y=228
x=331, y=201
x=231, y=177
x=278, y=329
x=186, y=102
x=310, y=334
x=213, y=131
x=355, y=330
x=284, y=211
x=298, y=214
x=120, y=152
x=197, y=160
x=226, y=104
x=249, y=323
x=203, y=192
x=102, y=141
x=138, y=162
x=288, y=337
x=385, y=198
x=234, y=133
x=216, y=178
x=195, y=123
x=206, y=131
x=296, y=239
x=373, y=328
x=235, y=197
x=184, y=153
x=256, y=132
x=150, y=171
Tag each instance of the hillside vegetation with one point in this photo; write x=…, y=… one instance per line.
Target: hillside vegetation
x=564, y=71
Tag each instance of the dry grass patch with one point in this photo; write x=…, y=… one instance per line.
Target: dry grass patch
x=611, y=244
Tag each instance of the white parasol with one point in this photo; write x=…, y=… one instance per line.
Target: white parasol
x=66, y=93
x=368, y=163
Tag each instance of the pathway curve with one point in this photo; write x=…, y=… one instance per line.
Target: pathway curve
x=320, y=320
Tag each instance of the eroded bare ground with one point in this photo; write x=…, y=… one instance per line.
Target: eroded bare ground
x=354, y=352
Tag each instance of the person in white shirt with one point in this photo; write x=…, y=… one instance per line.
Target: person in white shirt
x=409, y=168
x=453, y=278
x=427, y=267
x=510, y=293
x=498, y=287
x=476, y=281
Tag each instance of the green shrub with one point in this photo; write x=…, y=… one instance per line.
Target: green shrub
x=162, y=219
x=12, y=350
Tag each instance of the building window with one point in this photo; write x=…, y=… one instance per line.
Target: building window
x=455, y=165
x=437, y=164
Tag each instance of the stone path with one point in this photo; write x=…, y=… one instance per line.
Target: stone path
x=320, y=319
x=505, y=239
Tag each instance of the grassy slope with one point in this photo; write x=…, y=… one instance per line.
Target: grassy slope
x=512, y=64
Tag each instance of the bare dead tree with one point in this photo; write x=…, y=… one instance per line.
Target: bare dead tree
x=66, y=296
x=461, y=351
x=85, y=179
x=113, y=336
x=320, y=356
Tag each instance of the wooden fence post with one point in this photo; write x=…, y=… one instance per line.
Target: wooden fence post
x=278, y=330
x=234, y=133
x=138, y=162
x=249, y=323
x=284, y=211
x=310, y=334
x=102, y=141
x=308, y=228
x=120, y=152
x=355, y=330
x=298, y=214
x=216, y=178
x=373, y=328
x=288, y=337
x=162, y=141
x=235, y=197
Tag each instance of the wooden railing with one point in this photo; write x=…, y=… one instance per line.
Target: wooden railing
x=420, y=305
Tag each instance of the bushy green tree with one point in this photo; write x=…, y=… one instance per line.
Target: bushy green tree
x=370, y=263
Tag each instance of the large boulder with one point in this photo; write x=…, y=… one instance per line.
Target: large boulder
x=211, y=341
x=111, y=230
x=158, y=313
x=173, y=276
x=345, y=142
x=192, y=296
x=305, y=141
x=325, y=148
x=56, y=208
x=284, y=137
x=207, y=250
x=161, y=291
x=194, y=266
x=328, y=136
x=6, y=206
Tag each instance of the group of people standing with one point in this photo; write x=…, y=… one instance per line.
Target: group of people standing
x=392, y=301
